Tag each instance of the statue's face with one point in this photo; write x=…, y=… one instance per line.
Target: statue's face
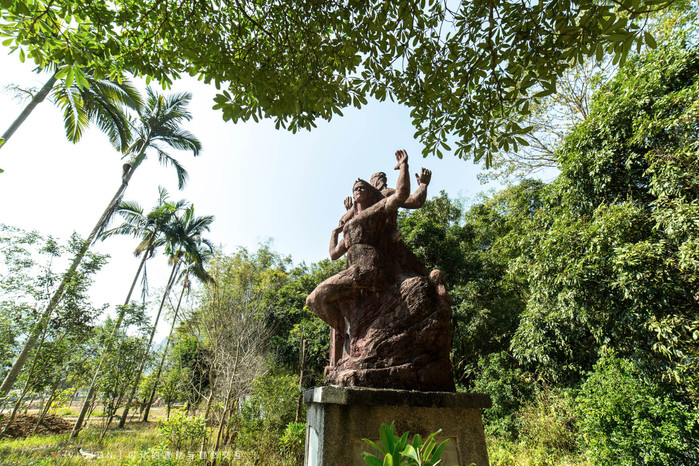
x=360, y=193
x=378, y=180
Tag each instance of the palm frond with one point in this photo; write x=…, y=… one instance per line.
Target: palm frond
x=75, y=118
x=103, y=102
x=181, y=139
x=163, y=195
x=166, y=160
x=131, y=212
x=107, y=218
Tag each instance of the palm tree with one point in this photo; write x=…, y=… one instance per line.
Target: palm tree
x=159, y=122
x=191, y=265
x=150, y=229
x=85, y=100
x=184, y=239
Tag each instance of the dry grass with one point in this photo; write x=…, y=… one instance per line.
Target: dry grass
x=119, y=446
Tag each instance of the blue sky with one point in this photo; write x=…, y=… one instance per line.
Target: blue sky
x=258, y=182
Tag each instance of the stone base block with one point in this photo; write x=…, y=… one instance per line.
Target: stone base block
x=338, y=418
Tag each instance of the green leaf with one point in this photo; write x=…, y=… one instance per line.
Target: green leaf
x=387, y=437
x=374, y=446
x=372, y=460
x=650, y=40
x=400, y=444
x=409, y=451
x=70, y=77
x=438, y=452
x=63, y=72
x=417, y=441
x=388, y=460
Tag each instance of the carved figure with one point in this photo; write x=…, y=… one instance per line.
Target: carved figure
x=379, y=181
x=390, y=319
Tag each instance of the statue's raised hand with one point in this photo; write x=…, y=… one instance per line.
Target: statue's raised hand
x=424, y=177
x=401, y=158
x=348, y=202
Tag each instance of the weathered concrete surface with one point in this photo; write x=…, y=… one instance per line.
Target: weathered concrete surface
x=338, y=418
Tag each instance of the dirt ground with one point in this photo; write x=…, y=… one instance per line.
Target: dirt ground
x=23, y=425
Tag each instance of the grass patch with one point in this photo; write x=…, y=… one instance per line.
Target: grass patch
x=502, y=452
x=117, y=447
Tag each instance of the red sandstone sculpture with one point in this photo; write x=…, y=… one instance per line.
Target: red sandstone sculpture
x=390, y=318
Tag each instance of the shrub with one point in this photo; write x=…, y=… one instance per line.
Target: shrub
x=509, y=388
x=395, y=450
x=547, y=428
x=182, y=432
x=626, y=418
x=293, y=441
x=266, y=418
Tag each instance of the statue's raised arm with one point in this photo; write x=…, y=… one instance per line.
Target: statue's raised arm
x=397, y=199
x=417, y=199
x=337, y=249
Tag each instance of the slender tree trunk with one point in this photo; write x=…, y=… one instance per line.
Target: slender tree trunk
x=36, y=100
x=93, y=384
x=25, y=390
x=126, y=177
x=90, y=410
x=300, y=402
x=11, y=377
x=146, y=411
x=113, y=411
x=150, y=341
x=49, y=402
x=226, y=408
x=207, y=411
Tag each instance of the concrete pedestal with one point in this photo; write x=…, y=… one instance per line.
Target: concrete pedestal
x=338, y=418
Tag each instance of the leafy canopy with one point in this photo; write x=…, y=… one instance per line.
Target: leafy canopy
x=462, y=67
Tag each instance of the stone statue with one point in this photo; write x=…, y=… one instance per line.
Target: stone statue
x=390, y=318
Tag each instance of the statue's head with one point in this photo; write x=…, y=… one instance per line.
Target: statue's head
x=365, y=193
x=378, y=180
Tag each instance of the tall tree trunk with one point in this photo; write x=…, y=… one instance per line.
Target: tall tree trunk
x=300, y=401
x=11, y=377
x=170, y=282
x=146, y=411
x=49, y=402
x=25, y=390
x=101, y=224
x=93, y=385
x=224, y=414
x=207, y=411
x=36, y=100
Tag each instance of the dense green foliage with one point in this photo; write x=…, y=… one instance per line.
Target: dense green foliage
x=608, y=258
x=627, y=417
x=589, y=283
x=464, y=68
